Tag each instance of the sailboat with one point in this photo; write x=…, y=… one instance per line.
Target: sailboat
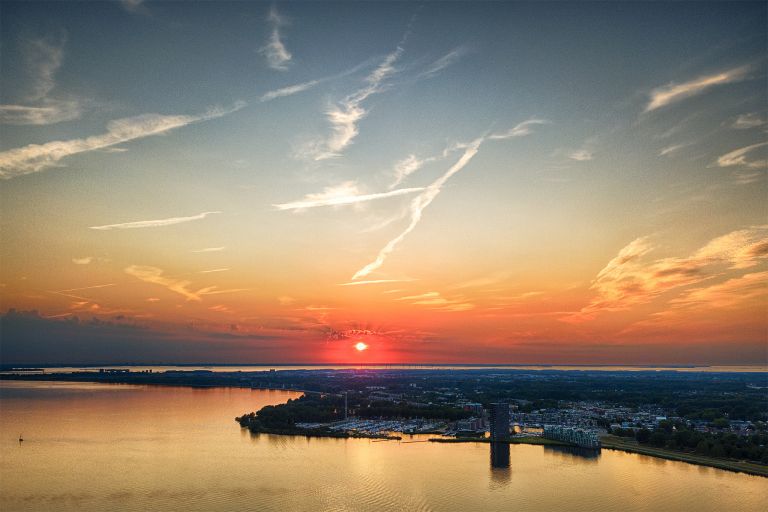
x=21, y=438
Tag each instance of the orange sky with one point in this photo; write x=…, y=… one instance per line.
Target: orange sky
x=454, y=187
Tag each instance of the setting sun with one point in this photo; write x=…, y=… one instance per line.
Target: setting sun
x=360, y=346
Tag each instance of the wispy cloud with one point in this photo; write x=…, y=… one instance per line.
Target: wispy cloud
x=408, y=166
x=37, y=157
x=437, y=301
x=739, y=157
x=278, y=56
x=747, y=177
x=221, y=308
x=726, y=294
x=132, y=5
x=44, y=57
x=428, y=194
x=83, y=261
x=674, y=148
x=672, y=93
x=69, y=290
x=153, y=223
x=581, y=155
x=211, y=271
x=210, y=249
x=412, y=163
x=747, y=121
x=155, y=275
x=345, y=193
x=443, y=62
x=51, y=112
x=485, y=281
x=417, y=206
x=631, y=279
x=345, y=115
x=520, y=130
x=288, y=91
x=376, y=281
x=743, y=248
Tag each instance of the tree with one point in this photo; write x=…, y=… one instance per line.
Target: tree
x=703, y=447
x=643, y=435
x=717, y=450
x=658, y=439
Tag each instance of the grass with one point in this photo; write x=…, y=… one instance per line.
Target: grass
x=632, y=446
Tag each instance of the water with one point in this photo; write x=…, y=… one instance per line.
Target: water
x=263, y=368
x=98, y=447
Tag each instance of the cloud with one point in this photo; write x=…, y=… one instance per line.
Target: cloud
x=417, y=206
x=83, y=261
x=153, y=223
x=278, y=56
x=210, y=249
x=743, y=248
x=438, y=302
x=51, y=112
x=747, y=121
x=220, y=308
x=443, y=62
x=214, y=270
x=521, y=130
x=428, y=194
x=747, y=178
x=581, y=155
x=739, y=157
x=155, y=276
x=408, y=166
x=181, y=286
x=345, y=115
x=345, y=193
x=37, y=157
x=44, y=57
x=69, y=290
x=288, y=91
x=376, y=281
x=30, y=338
x=727, y=294
x=673, y=93
x=132, y=5
x=630, y=279
x=674, y=148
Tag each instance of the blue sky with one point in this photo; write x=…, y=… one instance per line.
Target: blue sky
x=447, y=170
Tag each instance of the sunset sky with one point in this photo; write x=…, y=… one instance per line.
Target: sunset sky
x=444, y=182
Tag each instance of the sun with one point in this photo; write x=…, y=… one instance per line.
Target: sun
x=360, y=346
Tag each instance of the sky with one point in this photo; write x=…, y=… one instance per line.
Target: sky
x=458, y=182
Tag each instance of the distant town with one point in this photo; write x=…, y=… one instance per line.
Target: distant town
x=716, y=419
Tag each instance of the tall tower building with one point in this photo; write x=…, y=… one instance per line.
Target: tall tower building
x=499, y=422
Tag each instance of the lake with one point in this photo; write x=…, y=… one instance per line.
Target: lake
x=91, y=446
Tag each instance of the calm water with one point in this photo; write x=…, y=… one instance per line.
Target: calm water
x=121, y=447
x=263, y=368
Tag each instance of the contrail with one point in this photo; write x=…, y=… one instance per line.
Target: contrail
x=417, y=207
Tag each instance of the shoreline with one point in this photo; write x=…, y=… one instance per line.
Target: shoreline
x=531, y=440
x=309, y=433
x=609, y=442
x=616, y=443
